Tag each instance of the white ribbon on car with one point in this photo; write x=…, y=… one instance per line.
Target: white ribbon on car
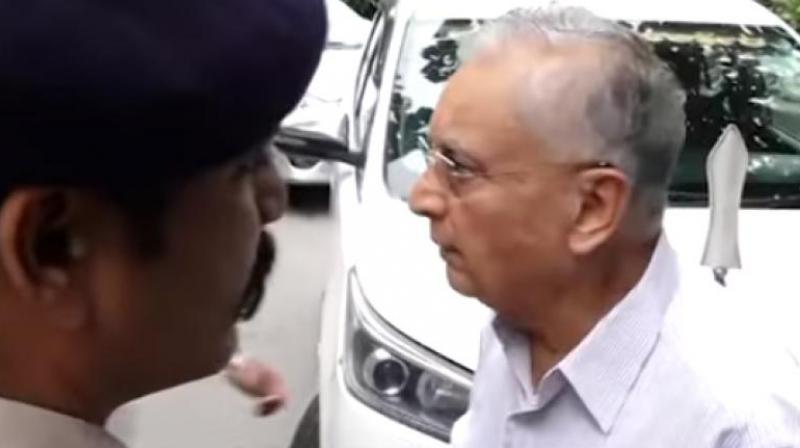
x=726, y=169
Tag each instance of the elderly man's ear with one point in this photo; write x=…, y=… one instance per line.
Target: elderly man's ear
x=41, y=250
x=604, y=196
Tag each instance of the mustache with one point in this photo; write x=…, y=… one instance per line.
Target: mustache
x=254, y=291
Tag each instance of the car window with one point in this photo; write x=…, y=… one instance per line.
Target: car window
x=743, y=75
x=369, y=50
x=369, y=78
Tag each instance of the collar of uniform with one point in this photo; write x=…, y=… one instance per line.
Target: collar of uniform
x=604, y=367
x=26, y=426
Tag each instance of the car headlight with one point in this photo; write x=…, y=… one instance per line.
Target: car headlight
x=398, y=377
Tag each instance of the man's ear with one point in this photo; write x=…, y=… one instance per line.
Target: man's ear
x=40, y=248
x=605, y=195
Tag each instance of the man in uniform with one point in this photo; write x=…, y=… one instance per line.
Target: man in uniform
x=134, y=187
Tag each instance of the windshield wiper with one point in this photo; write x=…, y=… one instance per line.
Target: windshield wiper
x=688, y=197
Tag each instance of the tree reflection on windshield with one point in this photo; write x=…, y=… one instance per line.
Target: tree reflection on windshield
x=745, y=75
x=741, y=75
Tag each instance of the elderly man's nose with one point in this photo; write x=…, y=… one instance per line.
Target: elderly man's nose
x=426, y=198
x=272, y=195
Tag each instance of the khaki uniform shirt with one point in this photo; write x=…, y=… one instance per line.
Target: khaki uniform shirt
x=26, y=426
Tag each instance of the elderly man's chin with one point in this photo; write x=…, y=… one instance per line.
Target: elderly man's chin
x=461, y=282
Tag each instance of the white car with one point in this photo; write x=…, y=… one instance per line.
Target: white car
x=322, y=106
x=397, y=345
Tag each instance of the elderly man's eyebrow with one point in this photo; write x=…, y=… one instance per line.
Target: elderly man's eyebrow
x=458, y=152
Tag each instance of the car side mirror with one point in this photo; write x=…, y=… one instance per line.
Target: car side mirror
x=365, y=8
x=301, y=142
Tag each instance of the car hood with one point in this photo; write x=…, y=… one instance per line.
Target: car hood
x=404, y=280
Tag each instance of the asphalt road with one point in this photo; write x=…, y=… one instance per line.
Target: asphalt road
x=209, y=413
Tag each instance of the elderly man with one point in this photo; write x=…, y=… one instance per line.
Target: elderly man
x=553, y=146
x=133, y=191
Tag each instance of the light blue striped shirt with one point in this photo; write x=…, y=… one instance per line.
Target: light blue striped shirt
x=677, y=363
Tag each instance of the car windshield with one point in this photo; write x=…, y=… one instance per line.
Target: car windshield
x=743, y=75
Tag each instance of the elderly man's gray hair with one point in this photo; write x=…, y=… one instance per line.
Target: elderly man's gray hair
x=638, y=114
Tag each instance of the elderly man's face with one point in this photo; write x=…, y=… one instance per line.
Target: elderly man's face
x=506, y=118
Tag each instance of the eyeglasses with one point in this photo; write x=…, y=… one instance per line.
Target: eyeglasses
x=455, y=173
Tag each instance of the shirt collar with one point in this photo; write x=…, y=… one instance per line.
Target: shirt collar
x=604, y=367
x=26, y=426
